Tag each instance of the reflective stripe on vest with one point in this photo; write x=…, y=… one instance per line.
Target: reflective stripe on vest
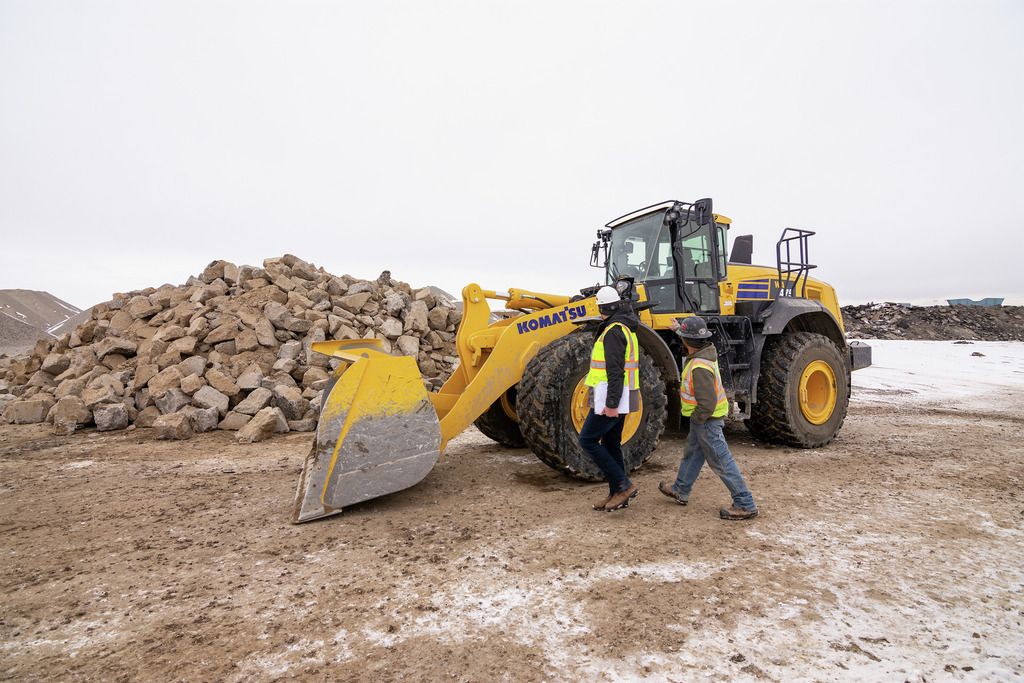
x=599, y=367
x=686, y=397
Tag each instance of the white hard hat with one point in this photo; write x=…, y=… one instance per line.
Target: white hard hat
x=607, y=295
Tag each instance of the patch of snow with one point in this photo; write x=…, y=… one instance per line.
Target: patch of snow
x=931, y=372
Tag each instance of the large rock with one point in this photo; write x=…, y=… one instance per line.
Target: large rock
x=438, y=318
x=392, y=328
x=186, y=345
x=202, y=419
x=208, y=397
x=96, y=394
x=147, y=417
x=68, y=414
x=353, y=303
x=259, y=399
x=123, y=347
x=223, y=333
x=222, y=382
x=55, y=363
x=304, y=270
x=246, y=340
x=142, y=307
x=409, y=345
x=82, y=361
x=110, y=416
x=234, y=421
x=265, y=333
x=73, y=386
x=144, y=373
x=263, y=425
x=282, y=319
x=290, y=401
x=250, y=378
x=290, y=350
x=307, y=424
x=315, y=377
x=394, y=304
x=172, y=400
x=173, y=426
x=192, y=384
x=196, y=365
x=416, y=317
x=169, y=378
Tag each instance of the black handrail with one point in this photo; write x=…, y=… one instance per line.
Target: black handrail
x=793, y=267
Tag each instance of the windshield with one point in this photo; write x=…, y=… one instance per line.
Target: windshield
x=641, y=249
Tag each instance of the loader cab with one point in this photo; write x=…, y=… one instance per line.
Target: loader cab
x=676, y=250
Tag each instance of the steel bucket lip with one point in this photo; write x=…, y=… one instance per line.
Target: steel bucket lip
x=378, y=433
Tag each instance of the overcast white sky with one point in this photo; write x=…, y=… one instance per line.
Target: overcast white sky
x=454, y=142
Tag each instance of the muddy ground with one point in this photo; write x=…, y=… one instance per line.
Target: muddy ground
x=896, y=553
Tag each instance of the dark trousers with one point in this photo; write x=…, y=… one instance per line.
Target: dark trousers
x=601, y=438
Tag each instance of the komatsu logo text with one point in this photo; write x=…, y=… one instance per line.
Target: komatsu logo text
x=567, y=313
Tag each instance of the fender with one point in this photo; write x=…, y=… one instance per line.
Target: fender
x=661, y=353
x=803, y=315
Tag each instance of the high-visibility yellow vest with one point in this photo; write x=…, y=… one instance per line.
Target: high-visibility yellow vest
x=686, y=397
x=599, y=369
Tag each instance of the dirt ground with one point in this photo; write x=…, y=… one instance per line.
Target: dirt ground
x=896, y=553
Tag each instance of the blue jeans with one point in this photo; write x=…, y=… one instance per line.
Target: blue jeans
x=601, y=438
x=706, y=442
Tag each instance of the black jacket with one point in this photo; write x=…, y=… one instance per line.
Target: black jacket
x=615, y=353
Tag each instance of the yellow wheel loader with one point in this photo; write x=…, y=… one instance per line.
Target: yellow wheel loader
x=782, y=350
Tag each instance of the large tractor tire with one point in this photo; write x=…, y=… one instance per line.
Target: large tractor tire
x=803, y=391
x=500, y=423
x=553, y=402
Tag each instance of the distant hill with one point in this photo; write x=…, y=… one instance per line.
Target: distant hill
x=27, y=315
x=16, y=336
x=41, y=310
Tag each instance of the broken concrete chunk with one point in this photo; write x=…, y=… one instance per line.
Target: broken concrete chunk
x=263, y=425
x=68, y=414
x=173, y=426
x=110, y=416
x=259, y=399
x=234, y=421
x=208, y=397
x=172, y=400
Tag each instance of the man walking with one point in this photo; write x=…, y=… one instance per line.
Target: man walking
x=704, y=401
x=614, y=379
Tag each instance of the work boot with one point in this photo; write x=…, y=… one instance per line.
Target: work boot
x=604, y=501
x=667, y=490
x=621, y=500
x=734, y=513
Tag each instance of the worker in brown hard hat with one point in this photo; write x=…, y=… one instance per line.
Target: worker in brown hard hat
x=703, y=399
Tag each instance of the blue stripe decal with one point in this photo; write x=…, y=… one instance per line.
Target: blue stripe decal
x=753, y=295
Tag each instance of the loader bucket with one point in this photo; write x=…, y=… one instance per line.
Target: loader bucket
x=378, y=432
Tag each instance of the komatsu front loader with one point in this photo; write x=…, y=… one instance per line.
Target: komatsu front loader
x=782, y=350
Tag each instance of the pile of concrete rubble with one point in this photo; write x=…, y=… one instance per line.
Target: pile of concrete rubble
x=229, y=349
x=903, y=321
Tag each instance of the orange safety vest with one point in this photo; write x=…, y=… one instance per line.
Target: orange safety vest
x=688, y=401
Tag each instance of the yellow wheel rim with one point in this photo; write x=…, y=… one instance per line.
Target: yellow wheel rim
x=509, y=409
x=818, y=392
x=581, y=407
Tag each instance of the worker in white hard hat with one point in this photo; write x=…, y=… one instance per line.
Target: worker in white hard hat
x=614, y=379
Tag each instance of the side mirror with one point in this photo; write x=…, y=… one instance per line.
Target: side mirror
x=702, y=207
x=597, y=258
